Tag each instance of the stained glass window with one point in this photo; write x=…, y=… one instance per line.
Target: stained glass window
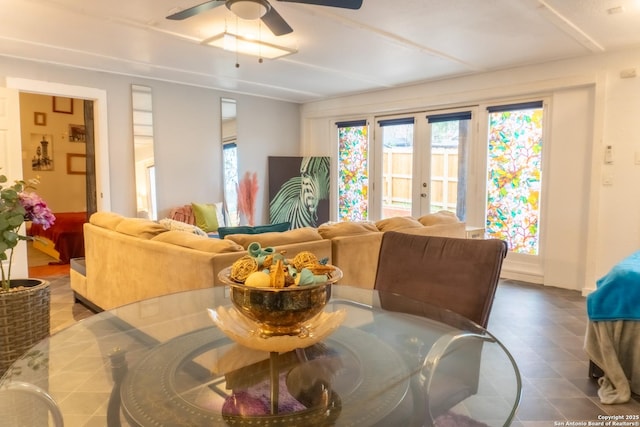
x=353, y=173
x=514, y=176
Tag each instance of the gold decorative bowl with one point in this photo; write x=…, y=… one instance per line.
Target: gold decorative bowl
x=280, y=311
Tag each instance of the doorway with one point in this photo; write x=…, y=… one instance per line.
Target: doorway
x=98, y=112
x=56, y=148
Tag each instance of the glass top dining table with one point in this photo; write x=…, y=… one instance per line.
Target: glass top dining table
x=187, y=359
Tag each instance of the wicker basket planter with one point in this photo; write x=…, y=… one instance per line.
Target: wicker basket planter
x=24, y=318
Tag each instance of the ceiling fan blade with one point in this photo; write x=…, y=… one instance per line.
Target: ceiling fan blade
x=345, y=4
x=193, y=11
x=276, y=23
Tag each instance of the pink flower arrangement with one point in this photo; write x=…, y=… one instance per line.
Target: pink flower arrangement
x=36, y=210
x=16, y=207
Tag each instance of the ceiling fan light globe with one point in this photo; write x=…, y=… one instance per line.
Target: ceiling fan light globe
x=248, y=9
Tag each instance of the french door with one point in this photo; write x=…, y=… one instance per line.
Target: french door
x=449, y=147
x=395, y=165
x=484, y=163
x=422, y=163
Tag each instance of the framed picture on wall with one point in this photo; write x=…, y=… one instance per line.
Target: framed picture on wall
x=76, y=164
x=39, y=119
x=77, y=133
x=41, y=152
x=299, y=190
x=62, y=104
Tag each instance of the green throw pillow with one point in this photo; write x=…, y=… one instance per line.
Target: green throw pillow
x=206, y=216
x=258, y=229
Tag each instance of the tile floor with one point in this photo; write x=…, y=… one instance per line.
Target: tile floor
x=543, y=327
x=64, y=312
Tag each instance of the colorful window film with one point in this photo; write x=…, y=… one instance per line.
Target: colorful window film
x=514, y=177
x=353, y=178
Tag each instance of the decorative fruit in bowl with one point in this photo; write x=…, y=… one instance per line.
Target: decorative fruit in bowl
x=281, y=295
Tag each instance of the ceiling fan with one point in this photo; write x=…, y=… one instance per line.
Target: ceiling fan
x=261, y=9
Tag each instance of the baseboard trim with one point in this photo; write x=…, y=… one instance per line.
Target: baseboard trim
x=587, y=291
x=522, y=277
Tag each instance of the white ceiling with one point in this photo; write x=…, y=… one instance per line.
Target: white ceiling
x=384, y=44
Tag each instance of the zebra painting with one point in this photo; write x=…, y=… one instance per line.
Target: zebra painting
x=299, y=196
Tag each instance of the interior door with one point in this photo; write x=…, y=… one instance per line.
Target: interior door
x=11, y=163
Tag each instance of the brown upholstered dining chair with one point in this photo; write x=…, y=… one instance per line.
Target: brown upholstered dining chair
x=460, y=275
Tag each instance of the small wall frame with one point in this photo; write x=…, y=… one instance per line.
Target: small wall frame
x=62, y=105
x=39, y=119
x=76, y=164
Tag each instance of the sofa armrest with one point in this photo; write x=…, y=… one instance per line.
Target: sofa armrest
x=357, y=257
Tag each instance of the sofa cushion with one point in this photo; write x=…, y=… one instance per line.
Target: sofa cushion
x=140, y=227
x=441, y=217
x=299, y=235
x=456, y=229
x=172, y=224
x=200, y=243
x=183, y=213
x=258, y=229
x=329, y=230
x=109, y=220
x=208, y=216
x=397, y=223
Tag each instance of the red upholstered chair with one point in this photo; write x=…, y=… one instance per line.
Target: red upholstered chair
x=460, y=275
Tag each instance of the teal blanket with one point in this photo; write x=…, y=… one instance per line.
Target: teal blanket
x=617, y=296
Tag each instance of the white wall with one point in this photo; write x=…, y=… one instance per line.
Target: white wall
x=566, y=185
x=186, y=132
x=265, y=128
x=273, y=130
x=589, y=227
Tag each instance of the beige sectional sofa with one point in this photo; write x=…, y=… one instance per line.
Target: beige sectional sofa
x=355, y=245
x=131, y=259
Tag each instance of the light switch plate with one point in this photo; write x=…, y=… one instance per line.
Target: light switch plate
x=608, y=155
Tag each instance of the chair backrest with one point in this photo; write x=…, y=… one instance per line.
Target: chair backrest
x=457, y=274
